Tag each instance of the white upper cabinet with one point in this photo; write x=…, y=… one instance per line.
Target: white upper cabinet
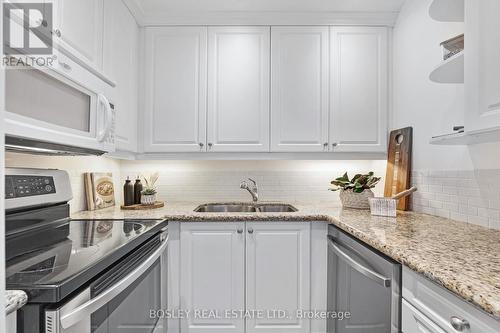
x=175, y=89
x=238, y=89
x=262, y=89
x=299, y=112
x=121, y=43
x=212, y=275
x=278, y=275
x=482, y=64
x=78, y=27
x=359, y=89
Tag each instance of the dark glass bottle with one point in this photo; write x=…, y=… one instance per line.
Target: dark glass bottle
x=128, y=193
x=137, y=191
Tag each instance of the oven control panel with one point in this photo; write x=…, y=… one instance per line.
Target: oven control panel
x=19, y=186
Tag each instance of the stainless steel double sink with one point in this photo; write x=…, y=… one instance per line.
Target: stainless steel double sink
x=246, y=208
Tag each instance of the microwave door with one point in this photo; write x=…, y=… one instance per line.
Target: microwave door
x=117, y=305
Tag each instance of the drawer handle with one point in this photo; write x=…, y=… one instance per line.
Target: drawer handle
x=459, y=324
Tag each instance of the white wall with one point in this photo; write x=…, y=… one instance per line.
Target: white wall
x=431, y=108
x=455, y=182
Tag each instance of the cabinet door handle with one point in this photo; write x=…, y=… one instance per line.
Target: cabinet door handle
x=210, y=145
x=240, y=231
x=325, y=146
x=201, y=144
x=65, y=65
x=58, y=33
x=360, y=268
x=250, y=231
x=335, y=144
x=459, y=324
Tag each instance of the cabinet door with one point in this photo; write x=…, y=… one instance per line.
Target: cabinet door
x=299, y=112
x=78, y=26
x=359, y=93
x=175, y=84
x=278, y=275
x=212, y=275
x=482, y=64
x=413, y=321
x=121, y=35
x=238, y=89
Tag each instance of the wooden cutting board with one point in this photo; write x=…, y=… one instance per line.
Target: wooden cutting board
x=156, y=205
x=398, y=176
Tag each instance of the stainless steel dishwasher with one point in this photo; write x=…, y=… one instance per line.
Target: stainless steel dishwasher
x=365, y=284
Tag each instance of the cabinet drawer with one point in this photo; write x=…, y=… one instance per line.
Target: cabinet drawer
x=413, y=321
x=440, y=305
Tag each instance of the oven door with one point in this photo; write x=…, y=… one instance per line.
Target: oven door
x=120, y=301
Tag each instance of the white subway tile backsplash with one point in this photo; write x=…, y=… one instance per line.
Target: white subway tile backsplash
x=468, y=196
x=436, y=204
x=458, y=217
x=219, y=181
x=482, y=221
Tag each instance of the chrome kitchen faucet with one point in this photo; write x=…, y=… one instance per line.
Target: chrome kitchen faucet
x=252, y=188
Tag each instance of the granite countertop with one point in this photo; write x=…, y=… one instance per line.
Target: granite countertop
x=463, y=258
x=14, y=300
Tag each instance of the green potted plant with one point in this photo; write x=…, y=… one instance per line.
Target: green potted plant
x=355, y=192
x=148, y=195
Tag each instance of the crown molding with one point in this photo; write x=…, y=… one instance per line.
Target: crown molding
x=259, y=17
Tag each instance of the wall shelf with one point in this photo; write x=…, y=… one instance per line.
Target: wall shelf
x=469, y=138
x=449, y=71
x=447, y=10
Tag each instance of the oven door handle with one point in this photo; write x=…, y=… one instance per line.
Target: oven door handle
x=360, y=268
x=85, y=310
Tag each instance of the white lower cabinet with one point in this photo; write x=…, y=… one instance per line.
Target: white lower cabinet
x=415, y=321
x=261, y=271
x=212, y=275
x=278, y=275
x=430, y=308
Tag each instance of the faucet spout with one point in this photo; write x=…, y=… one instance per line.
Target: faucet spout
x=251, y=188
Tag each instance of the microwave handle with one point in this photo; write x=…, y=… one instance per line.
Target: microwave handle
x=108, y=117
x=85, y=310
x=360, y=268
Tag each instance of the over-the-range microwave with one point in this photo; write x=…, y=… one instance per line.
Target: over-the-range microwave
x=63, y=103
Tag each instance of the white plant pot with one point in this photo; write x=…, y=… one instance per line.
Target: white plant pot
x=148, y=199
x=354, y=200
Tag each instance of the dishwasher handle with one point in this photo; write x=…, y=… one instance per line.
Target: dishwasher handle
x=360, y=268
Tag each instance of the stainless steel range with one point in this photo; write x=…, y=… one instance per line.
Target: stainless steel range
x=81, y=276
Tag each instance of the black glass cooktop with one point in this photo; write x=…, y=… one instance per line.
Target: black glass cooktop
x=76, y=253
